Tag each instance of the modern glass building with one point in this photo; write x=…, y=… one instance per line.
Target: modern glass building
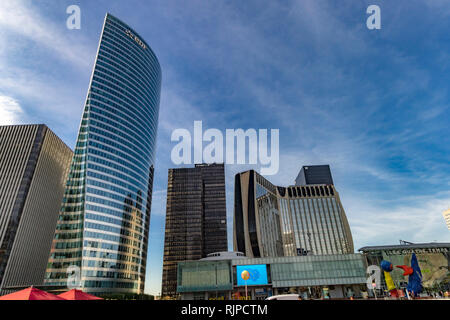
x=333, y=276
x=272, y=221
x=105, y=215
x=195, y=218
x=34, y=163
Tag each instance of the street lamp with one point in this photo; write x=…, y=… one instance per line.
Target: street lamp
x=245, y=275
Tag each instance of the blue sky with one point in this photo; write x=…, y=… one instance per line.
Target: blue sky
x=374, y=104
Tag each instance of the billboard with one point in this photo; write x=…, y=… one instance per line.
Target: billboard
x=434, y=265
x=256, y=275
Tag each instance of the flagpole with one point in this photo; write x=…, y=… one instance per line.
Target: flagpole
x=246, y=293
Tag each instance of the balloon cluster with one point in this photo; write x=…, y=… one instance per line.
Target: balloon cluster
x=413, y=272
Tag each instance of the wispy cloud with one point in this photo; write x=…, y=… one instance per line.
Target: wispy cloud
x=44, y=65
x=22, y=18
x=10, y=110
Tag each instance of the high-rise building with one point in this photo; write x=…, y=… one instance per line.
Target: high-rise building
x=196, y=218
x=288, y=221
x=447, y=218
x=105, y=215
x=34, y=163
x=314, y=175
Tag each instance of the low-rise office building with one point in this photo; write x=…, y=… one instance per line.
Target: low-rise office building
x=316, y=174
x=322, y=276
x=196, y=218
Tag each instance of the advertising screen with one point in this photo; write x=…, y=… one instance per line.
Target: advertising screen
x=255, y=275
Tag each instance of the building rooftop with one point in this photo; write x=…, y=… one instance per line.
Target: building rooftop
x=224, y=255
x=407, y=246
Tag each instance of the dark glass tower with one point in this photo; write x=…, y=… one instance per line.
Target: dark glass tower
x=319, y=174
x=195, y=218
x=104, y=220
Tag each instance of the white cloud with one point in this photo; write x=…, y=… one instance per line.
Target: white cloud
x=23, y=19
x=46, y=93
x=10, y=110
x=159, y=199
x=417, y=220
x=37, y=56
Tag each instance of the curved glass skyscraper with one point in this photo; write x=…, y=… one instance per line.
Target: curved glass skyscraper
x=102, y=231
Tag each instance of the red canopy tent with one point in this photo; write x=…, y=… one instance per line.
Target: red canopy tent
x=30, y=294
x=75, y=294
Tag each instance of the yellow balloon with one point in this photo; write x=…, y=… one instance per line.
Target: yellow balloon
x=389, y=282
x=245, y=275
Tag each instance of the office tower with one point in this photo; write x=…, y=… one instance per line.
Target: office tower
x=447, y=218
x=105, y=214
x=314, y=175
x=298, y=220
x=34, y=163
x=195, y=218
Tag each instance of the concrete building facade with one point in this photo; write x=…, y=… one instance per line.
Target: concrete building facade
x=34, y=164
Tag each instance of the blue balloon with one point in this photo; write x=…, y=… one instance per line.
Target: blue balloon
x=415, y=279
x=386, y=266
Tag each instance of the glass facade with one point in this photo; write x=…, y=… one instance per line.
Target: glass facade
x=446, y=215
x=267, y=206
x=105, y=215
x=318, y=270
x=338, y=276
x=318, y=225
